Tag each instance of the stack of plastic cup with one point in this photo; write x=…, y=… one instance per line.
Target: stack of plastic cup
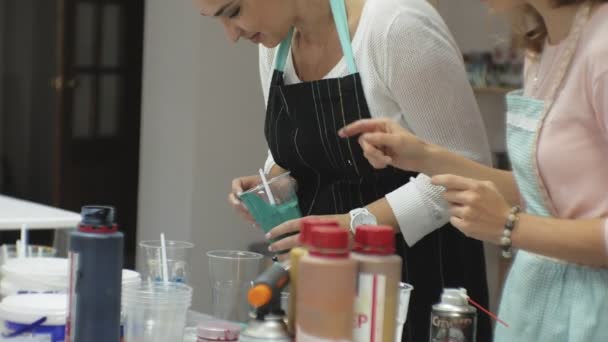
x=155, y=312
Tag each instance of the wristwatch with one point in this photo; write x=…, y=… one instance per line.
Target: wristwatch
x=360, y=217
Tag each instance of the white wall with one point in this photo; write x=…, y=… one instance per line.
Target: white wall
x=475, y=30
x=473, y=26
x=202, y=125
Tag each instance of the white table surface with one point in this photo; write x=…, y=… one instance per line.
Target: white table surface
x=15, y=212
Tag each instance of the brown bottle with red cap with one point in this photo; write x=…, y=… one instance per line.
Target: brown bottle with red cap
x=307, y=224
x=326, y=288
x=378, y=284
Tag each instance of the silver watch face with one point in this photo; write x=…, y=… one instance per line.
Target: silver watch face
x=362, y=219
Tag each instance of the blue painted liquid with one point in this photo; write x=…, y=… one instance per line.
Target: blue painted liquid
x=268, y=216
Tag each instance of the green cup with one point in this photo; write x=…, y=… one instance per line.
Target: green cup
x=267, y=215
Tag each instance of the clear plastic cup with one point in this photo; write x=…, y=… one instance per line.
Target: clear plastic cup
x=267, y=215
x=155, y=312
x=285, y=301
x=8, y=252
x=405, y=292
x=231, y=274
x=178, y=260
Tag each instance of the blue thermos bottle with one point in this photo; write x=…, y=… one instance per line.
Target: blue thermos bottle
x=96, y=256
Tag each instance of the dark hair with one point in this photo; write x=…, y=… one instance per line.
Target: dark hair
x=533, y=38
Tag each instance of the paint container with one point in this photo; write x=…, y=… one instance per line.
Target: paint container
x=34, y=317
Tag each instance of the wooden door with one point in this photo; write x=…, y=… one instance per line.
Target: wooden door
x=98, y=109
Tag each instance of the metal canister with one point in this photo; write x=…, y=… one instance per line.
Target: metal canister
x=453, y=319
x=270, y=328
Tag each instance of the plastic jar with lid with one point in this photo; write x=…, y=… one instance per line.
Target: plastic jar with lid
x=218, y=331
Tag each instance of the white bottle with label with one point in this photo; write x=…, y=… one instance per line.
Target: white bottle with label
x=378, y=284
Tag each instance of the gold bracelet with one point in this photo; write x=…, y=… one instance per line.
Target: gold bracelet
x=505, y=241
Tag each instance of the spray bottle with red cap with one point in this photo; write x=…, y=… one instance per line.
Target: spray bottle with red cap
x=96, y=256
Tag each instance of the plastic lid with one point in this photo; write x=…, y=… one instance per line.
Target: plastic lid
x=309, y=223
x=375, y=240
x=259, y=295
x=457, y=297
x=28, y=308
x=97, y=215
x=98, y=219
x=329, y=241
x=46, y=267
x=218, y=331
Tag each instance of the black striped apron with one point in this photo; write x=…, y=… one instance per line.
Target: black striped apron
x=302, y=121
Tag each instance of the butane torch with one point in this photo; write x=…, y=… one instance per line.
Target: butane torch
x=265, y=295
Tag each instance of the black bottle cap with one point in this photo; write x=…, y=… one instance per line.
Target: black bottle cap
x=97, y=215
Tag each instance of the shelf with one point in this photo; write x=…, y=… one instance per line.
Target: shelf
x=493, y=90
x=15, y=212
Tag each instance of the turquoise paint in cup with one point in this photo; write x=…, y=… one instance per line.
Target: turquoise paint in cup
x=266, y=215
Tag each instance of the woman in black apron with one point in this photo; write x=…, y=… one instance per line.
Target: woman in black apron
x=334, y=177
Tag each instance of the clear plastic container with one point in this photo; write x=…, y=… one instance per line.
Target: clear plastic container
x=231, y=274
x=155, y=312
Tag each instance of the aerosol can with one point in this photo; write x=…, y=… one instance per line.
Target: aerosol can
x=453, y=319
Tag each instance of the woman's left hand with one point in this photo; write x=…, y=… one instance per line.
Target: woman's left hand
x=293, y=227
x=476, y=207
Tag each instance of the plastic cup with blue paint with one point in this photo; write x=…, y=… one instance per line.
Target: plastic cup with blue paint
x=178, y=260
x=285, y=208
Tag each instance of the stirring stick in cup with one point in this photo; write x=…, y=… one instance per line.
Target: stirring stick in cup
x=4, y=253
x=267, y=188
x=163, y=256
x=18, y=248
x=23, y=239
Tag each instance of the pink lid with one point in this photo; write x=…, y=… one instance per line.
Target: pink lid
x=218, y=331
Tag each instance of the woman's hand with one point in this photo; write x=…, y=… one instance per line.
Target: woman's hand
x=292, y=229
x=240, y=185
x=387, y=143
x=476, y=207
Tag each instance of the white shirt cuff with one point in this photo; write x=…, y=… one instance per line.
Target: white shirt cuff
x=419, y=208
